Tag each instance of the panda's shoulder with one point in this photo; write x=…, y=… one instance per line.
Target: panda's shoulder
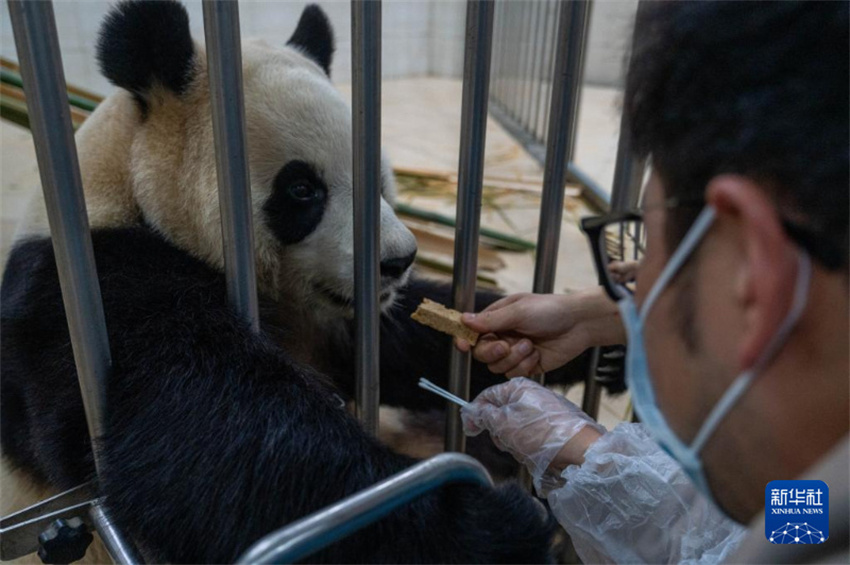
x=136, y=267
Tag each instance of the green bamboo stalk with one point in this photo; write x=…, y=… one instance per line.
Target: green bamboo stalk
x=75, y=100
x=507, y=241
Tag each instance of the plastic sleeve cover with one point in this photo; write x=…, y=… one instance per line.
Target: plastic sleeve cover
x=630, y=502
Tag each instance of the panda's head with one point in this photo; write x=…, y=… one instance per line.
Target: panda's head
x=299, y=146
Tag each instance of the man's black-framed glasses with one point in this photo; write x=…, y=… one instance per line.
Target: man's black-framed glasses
x=618, y=242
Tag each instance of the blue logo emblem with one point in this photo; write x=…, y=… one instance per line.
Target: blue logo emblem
x=796, y=512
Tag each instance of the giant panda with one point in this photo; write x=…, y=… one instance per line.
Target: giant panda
x=214, y=435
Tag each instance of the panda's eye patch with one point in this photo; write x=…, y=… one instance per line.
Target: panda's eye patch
x=297, y=202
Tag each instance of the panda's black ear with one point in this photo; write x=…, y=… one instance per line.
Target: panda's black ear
x=146, y=42
x=314, y=36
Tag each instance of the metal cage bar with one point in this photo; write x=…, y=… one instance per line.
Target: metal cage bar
x=116, y=545
x=563, y=117
x=34, y=28
x=498, y=52
x=366, y=100
x=473, y=130
x=318, y=530
x=224, y=64
x=528, y=84
x=628, y=173
x=537, y=74
x=625, y=194
x=628, y=169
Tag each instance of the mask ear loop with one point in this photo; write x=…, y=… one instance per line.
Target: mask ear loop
x=742, y=383
x=689, y=243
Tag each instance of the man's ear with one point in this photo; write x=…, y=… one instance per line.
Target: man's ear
x=766, y=282
x=314, y=37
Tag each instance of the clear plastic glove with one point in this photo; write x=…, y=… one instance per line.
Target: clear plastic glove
x=534, y=424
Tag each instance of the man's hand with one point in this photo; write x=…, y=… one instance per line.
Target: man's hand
x=526, y=334
x=540, y=428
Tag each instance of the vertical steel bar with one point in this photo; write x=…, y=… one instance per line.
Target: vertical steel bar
x=553, y=39
x=224, y=64
x=563, y=117
x=528, y=85
x=628, y=170
x=537, y=80
x=366, y=141
x=519, y=58
x=34, y=28
x=546, y=70
x=498, y=52
x=118, y=549
x=628, y=173
x=513, y=23
x=503, y=46
x=504, y=50
x=476, y=83
x=625, y=193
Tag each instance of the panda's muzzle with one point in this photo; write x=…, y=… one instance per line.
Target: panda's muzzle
x=347, y=301
x=395, y=267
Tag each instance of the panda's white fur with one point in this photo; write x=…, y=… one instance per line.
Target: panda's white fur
x=154, y=163
x=162, y=169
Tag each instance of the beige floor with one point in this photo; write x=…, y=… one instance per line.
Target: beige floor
x=421, y=130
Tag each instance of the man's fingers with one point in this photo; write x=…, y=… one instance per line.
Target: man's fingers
x=462, y=344
x=491, y=351
x=505, y=301
x=502, y=320
x=528, y=366
x=517, y=354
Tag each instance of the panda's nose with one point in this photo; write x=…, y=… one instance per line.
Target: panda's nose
x=396, y=266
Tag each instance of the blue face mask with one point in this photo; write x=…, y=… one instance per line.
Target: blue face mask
x=637, y=367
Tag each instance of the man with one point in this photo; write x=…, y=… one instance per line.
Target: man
x=738, y=334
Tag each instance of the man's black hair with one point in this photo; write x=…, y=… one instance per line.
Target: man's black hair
x=753, y=88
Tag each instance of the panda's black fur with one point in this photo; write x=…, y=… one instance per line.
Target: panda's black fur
x=214, y=436
x=314, y=37
x=146, y=43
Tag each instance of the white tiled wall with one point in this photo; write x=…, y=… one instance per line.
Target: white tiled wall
x=406, y=24
x=420, y=37
x=609, y=39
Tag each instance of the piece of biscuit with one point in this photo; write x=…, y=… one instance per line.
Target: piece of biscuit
x=436, y=316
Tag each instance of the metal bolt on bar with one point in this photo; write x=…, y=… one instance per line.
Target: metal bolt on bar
x=476, y=82
x=34, y=27
x=366, y=142
x=19, y=531
x=224, y=64
x=117, y=548
x=320, y=529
